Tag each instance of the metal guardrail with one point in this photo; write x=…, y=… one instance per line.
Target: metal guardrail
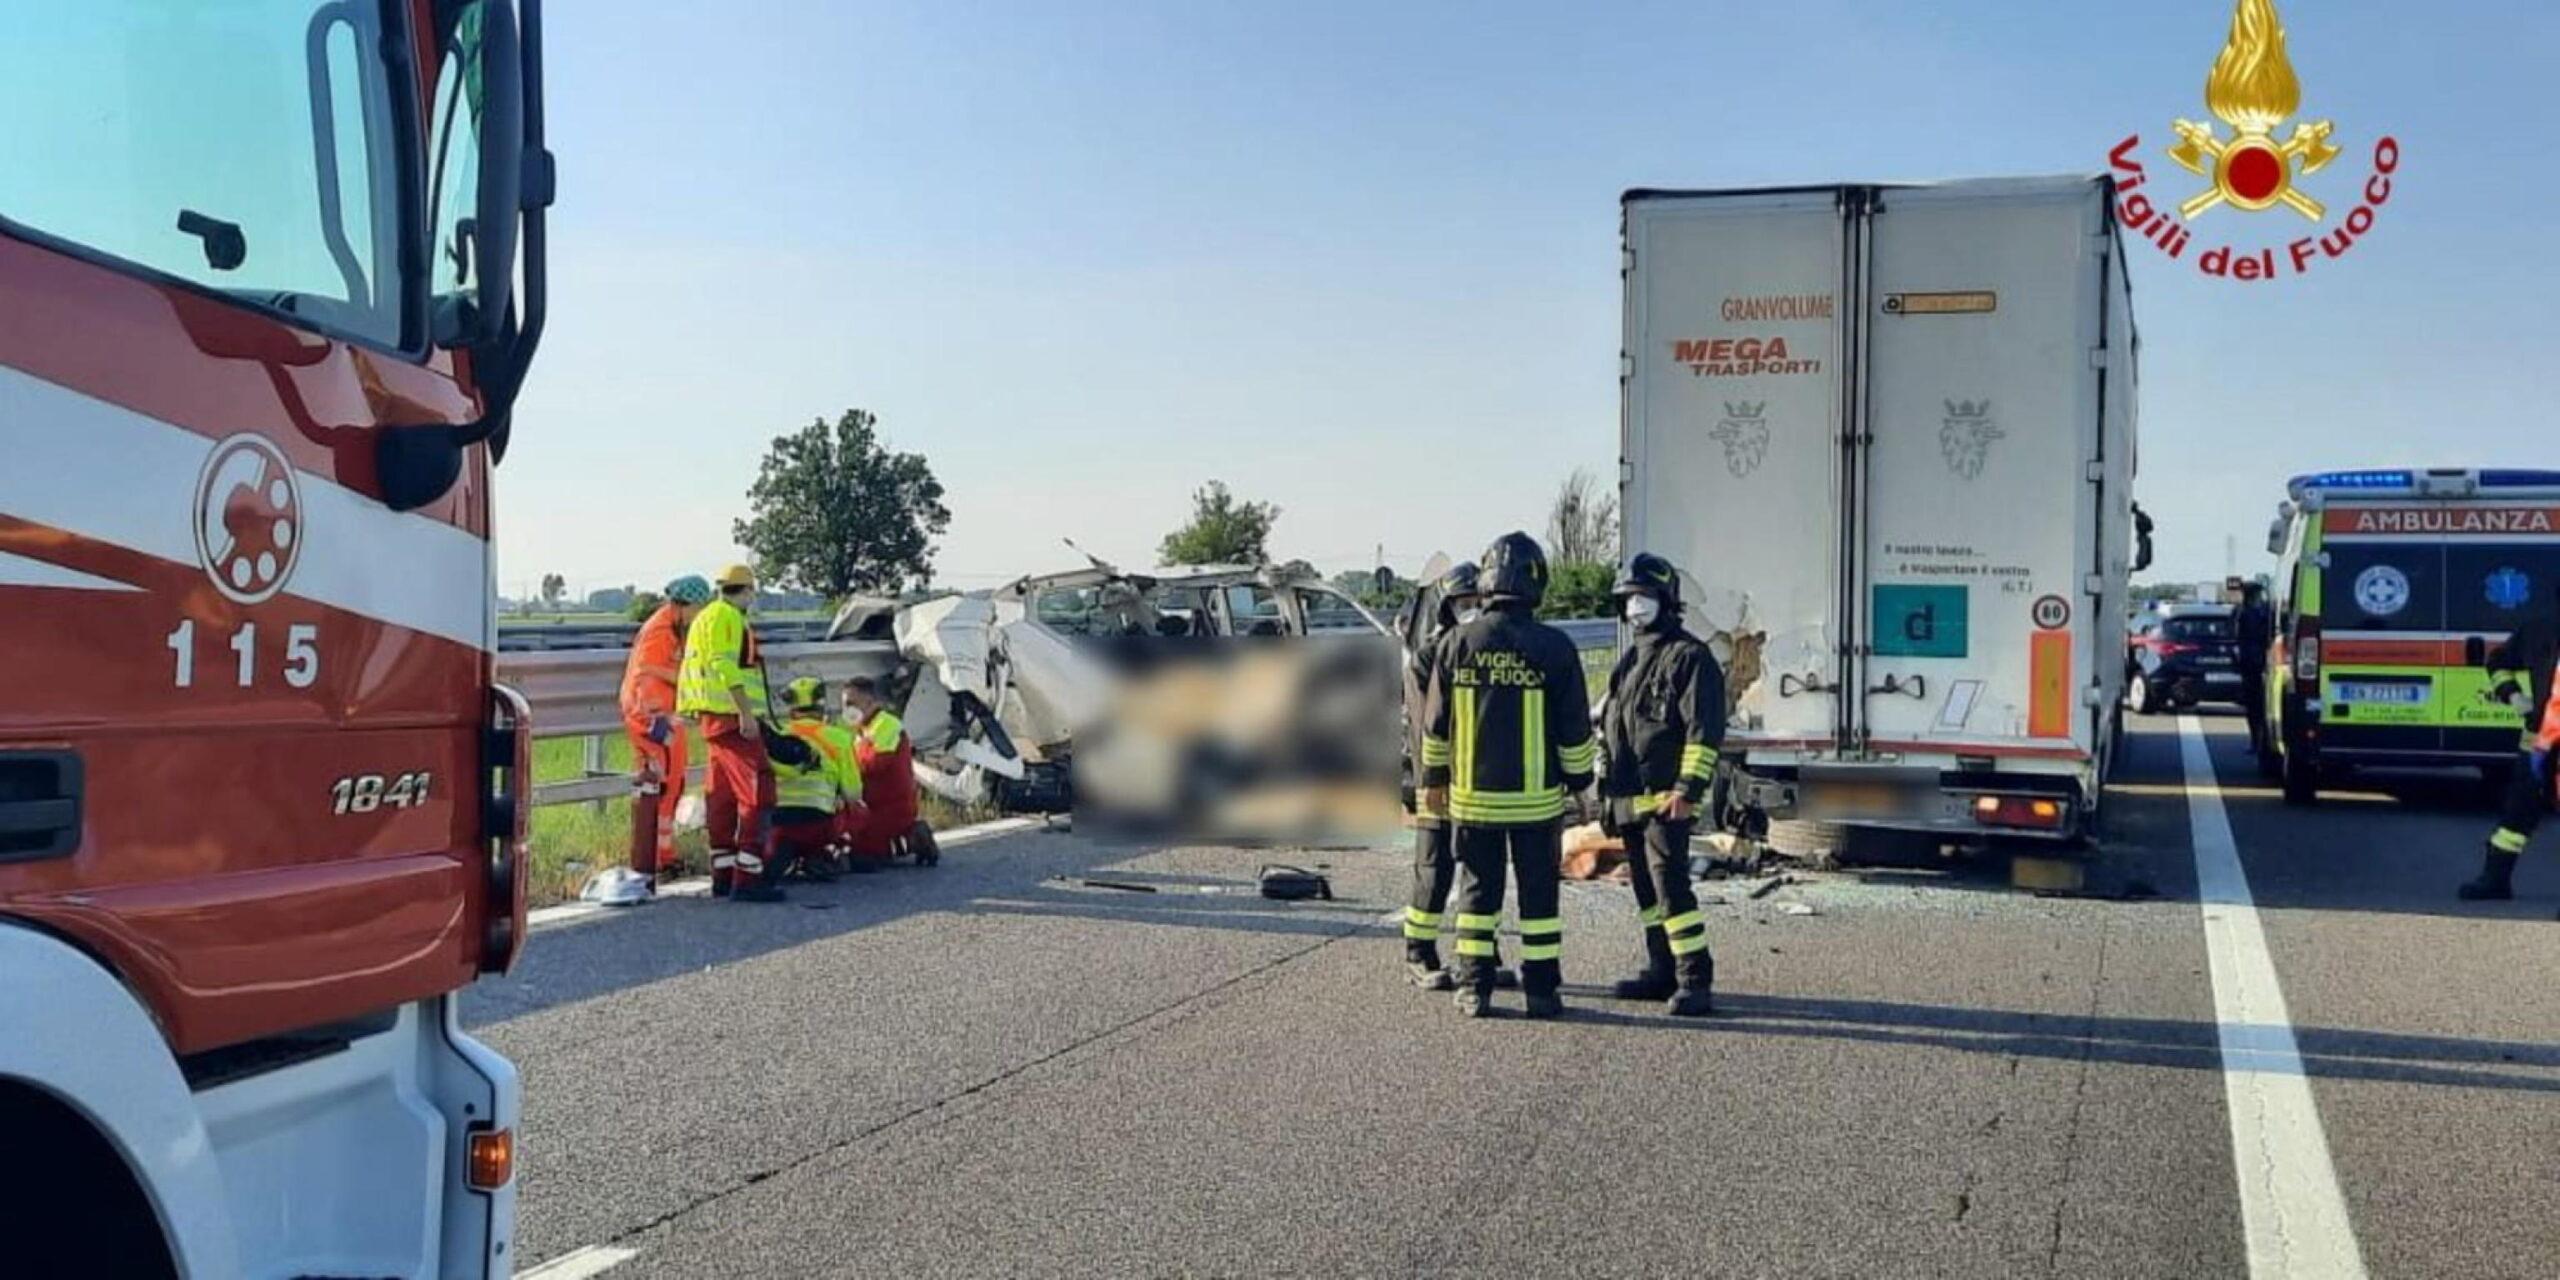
x=576, y=693
x=547, y=637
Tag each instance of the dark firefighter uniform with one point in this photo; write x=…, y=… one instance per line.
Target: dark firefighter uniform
x=2524, y=663
x=1507, y=739
x=1435, y=615
x=1664, y=724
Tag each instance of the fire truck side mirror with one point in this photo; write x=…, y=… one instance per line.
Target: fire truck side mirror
x=418, y=464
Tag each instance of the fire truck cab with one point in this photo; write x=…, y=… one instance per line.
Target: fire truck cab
x=271, y=272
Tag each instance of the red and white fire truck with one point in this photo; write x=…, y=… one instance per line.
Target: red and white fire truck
x=261, y=801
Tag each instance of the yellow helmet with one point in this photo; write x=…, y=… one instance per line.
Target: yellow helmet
x=736, y=575
x=808, y=693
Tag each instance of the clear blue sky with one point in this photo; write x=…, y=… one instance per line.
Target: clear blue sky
x=1360, y=258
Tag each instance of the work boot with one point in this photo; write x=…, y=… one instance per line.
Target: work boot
x=1542, y=1005
x=1474, y=1002
x=2496, y=881
x=1696, y=998
x=1422, y=967
x=1656, y=982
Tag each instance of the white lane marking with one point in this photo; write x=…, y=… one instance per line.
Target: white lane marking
x=578, y=1264
x=2291, y=1211
x=23, y=571
x=697, y=886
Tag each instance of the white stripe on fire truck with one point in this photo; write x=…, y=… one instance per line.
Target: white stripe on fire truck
x=19, y=571
x=104, y=472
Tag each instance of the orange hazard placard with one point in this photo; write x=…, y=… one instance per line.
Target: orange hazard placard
x=2049, y=684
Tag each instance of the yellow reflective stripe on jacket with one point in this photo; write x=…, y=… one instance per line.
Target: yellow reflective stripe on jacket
x=1533, y=740
x=1463, y=716
x=1697, y=760
x=1435, y=751
x=1495, y=808
x=884, y=730
x=1579, y=757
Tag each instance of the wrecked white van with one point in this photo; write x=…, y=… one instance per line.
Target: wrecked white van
x=1161, y=694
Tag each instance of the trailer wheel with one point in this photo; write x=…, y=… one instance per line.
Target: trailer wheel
x=1818, y=844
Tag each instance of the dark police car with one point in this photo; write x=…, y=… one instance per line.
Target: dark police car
x=2181, y=655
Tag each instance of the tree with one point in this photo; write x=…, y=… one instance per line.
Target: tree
x=1582, y=528
x=643, y=603
x=1362, y=585
x=1578, y=589
x=1223, y=530
x=835, y=512
x=553, y=586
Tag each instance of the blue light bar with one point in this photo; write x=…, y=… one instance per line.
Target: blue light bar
x=2512, y=478
x=2354, y=480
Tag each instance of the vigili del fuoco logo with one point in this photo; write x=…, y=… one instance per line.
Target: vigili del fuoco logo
x=2253, y=91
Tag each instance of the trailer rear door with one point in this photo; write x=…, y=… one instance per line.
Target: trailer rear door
x=1977, y=493
x=1732, y=437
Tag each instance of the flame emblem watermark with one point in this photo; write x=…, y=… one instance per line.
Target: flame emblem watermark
x=2253, y=89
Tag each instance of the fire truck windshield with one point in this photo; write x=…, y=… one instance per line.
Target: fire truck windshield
x=269, y=128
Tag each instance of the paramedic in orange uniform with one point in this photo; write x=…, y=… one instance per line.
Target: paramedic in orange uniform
x=887, y=819
x=660, y=749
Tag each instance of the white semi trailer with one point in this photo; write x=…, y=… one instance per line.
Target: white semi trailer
x=1888, y=432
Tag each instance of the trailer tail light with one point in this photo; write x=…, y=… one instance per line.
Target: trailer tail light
x=490, y=1159
x=505, y=823
x=2306, y=659
x=2018, y=811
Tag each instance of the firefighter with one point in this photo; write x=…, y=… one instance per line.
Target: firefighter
x=2522, y=668
x=660, y=748
x=1433, y=866
x=1663, y=725
x=889, y=824
x=1507, y=740
x=816, y=803
x=722, y=687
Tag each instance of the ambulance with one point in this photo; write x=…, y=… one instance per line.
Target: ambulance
x=2392, y=590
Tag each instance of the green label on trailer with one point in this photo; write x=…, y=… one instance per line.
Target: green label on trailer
x=1919, y=622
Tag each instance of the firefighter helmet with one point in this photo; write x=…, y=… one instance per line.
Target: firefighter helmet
x=1649, y=574
x=1515, y=568
x=1460, y=582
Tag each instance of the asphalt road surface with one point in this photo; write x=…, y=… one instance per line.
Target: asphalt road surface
x=2295, y=1056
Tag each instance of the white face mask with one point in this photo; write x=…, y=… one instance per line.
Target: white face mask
x=1642, y=610
x=1468, y=614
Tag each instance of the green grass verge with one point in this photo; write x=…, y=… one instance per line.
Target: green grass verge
x=573, y=841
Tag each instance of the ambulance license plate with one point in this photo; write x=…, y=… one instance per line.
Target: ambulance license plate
x=2395, y=694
